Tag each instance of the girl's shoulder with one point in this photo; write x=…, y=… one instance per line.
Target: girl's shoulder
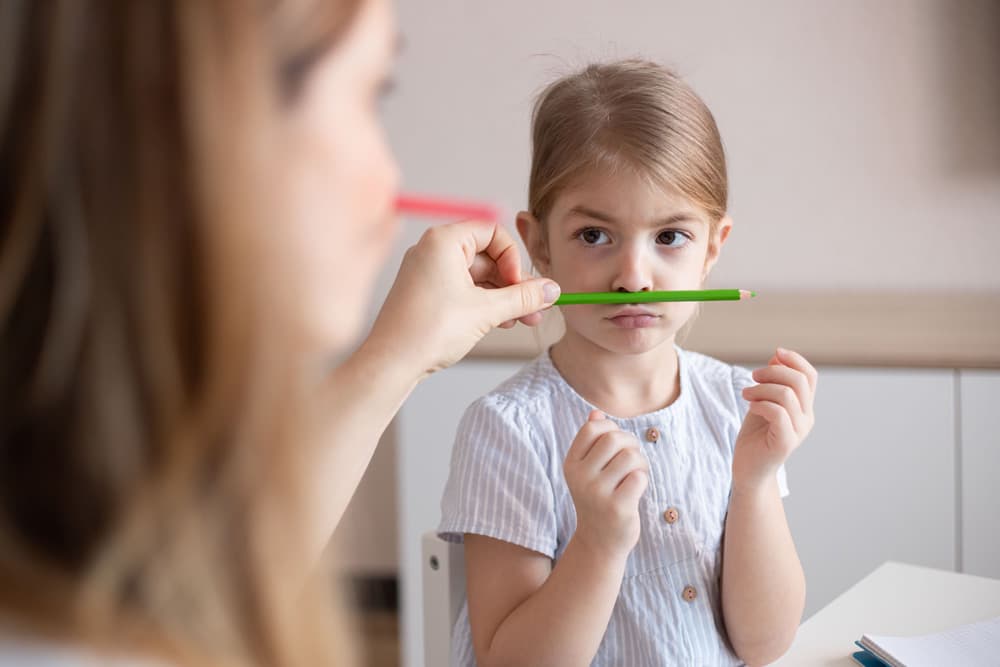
x=711, y=369
x=532, y=390
x=715, y=380
x=517, y=416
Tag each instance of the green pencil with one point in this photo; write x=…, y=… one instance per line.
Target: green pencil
x=576, y=298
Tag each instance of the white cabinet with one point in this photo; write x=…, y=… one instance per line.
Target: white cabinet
x=979, y=452
x=875, y=481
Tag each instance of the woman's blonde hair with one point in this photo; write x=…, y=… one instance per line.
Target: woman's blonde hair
x=151, y=465
x=630, y=114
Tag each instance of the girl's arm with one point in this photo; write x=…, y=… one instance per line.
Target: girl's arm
x=763, y=587
x=524, y=611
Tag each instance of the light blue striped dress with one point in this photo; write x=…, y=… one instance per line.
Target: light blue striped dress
x=506, y=482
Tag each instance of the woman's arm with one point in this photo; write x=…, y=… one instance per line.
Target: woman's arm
x=454, y=286
x=361, y=397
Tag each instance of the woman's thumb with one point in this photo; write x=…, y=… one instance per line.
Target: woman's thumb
x=516, y=301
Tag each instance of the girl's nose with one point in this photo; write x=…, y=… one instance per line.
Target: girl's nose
x=634, y=273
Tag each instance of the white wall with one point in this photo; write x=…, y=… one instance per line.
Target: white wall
x=863, y=137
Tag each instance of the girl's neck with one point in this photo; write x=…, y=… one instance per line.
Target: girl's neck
x=619, y=384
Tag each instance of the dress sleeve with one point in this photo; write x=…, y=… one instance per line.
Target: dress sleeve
x=498, y=485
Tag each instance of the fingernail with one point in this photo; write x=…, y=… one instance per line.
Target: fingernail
x=551, y=292
x=782, y=351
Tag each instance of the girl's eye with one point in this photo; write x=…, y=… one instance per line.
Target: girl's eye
x=672, y=238
x=593, y=236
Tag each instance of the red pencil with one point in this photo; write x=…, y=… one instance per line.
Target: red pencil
x=450, y=209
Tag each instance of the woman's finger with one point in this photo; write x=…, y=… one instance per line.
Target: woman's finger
x=531, y=320
x=518, y=301
x=487, y=238
x=484, y=271
x=484, y=274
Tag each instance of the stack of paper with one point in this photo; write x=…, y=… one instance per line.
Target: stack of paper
x=975, y=645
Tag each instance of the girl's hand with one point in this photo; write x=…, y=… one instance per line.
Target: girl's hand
x=455, y=285
x=780, y=417
x=607, y=474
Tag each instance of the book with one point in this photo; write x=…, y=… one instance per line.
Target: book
x=973, y=645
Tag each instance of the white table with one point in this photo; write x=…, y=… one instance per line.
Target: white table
x=895, y=599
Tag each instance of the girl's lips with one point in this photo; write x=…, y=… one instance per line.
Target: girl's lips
x=632, y=311
x=636, y=321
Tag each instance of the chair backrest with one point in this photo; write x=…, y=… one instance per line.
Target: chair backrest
x=444, y=592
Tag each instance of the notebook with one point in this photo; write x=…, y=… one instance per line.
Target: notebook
x=974, y=645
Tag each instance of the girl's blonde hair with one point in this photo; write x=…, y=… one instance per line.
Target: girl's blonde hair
x=630, y=114
x=151, y=459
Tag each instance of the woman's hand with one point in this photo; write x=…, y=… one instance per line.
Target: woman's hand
x=780, y=417
x=455, y=285
x=607, y=474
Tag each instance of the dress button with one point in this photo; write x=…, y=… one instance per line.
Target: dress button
x=652, y=435
x=689, y=593
x=671, y=515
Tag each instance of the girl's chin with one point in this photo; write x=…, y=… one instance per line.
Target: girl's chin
x=635, y=341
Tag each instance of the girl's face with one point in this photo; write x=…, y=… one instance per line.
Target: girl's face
x=617, y=233
x=338, y=181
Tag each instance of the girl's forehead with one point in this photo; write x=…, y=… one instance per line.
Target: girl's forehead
x=624, y=194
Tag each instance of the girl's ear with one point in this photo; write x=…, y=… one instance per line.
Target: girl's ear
x=533, y=234
x=715, y=243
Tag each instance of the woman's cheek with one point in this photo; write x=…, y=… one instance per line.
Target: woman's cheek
x=373, y=178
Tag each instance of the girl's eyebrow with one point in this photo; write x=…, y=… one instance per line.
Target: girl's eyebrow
x=588, y=212
x=674, y=219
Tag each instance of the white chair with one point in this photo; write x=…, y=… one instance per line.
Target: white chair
x=443, y=574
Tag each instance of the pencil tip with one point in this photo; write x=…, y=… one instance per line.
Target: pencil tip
x=747, y=294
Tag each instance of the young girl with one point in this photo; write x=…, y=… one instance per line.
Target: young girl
x=620, y=498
